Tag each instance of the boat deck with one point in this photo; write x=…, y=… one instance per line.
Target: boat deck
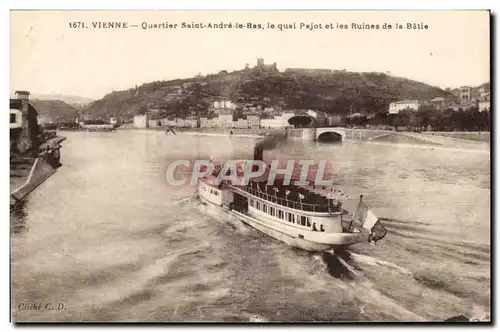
x=288, y=195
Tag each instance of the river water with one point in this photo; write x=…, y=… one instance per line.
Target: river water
x=106, y=239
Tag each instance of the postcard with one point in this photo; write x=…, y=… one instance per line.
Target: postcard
x=250, y=166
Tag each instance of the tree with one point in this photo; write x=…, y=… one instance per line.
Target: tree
x=445, y=120
x=415, y=121
x=142, y=110
x=359, y=120
x=380, y=118
x=402, y=118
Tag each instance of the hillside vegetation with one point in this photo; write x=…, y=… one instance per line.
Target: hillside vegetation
x=332, y=92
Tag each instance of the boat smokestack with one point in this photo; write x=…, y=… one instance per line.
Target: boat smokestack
x=267, y=143
x=258, y=153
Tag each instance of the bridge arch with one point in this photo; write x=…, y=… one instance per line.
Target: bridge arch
x=330, y=135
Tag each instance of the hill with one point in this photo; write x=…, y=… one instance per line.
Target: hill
x=326, y=90
x=54, y=110
x=76, y=101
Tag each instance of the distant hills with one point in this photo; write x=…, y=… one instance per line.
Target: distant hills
x=330, y=91
x=54, y=111
x=72, y=100
x=58, y=107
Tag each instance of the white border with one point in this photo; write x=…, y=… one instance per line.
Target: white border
x=199, y=4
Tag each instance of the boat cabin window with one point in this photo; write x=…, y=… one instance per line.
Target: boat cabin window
x=257, y=205
x=264, y=208
x=303, y=220
x=290, y=217
x=321, y=228
x=271, y=210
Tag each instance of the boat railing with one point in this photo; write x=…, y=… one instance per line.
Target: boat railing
x=330, y=207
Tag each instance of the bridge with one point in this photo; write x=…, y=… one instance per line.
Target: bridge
x=334, y=134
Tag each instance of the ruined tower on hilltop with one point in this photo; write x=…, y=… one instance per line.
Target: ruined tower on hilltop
x=262, y=66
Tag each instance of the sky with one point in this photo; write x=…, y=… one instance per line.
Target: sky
x=47, y=56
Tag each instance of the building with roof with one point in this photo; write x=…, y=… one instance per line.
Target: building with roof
x=208, y=123
x=398, y=106
x=23, y=123
x=333, y=120
x=465, y=94
x=253, y=121
x=484, y=105
x=439, y=103
x=225, y=120
x=141, y=121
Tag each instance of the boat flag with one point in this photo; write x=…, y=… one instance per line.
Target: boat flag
x=369, y=221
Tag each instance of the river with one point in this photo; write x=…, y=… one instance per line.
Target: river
x=106, y=239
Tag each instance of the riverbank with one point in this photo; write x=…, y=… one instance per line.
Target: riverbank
x=188, y=133
x=20, y=168
x=28, y=172
x=481, y=136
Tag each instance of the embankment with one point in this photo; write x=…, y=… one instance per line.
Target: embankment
x=373, y=134
x=250, y=133
x=38, y=173
x=481, y=136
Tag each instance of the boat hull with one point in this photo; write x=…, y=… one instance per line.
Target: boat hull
x=330, y=241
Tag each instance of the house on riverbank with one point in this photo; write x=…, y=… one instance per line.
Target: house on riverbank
x=23, y=123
